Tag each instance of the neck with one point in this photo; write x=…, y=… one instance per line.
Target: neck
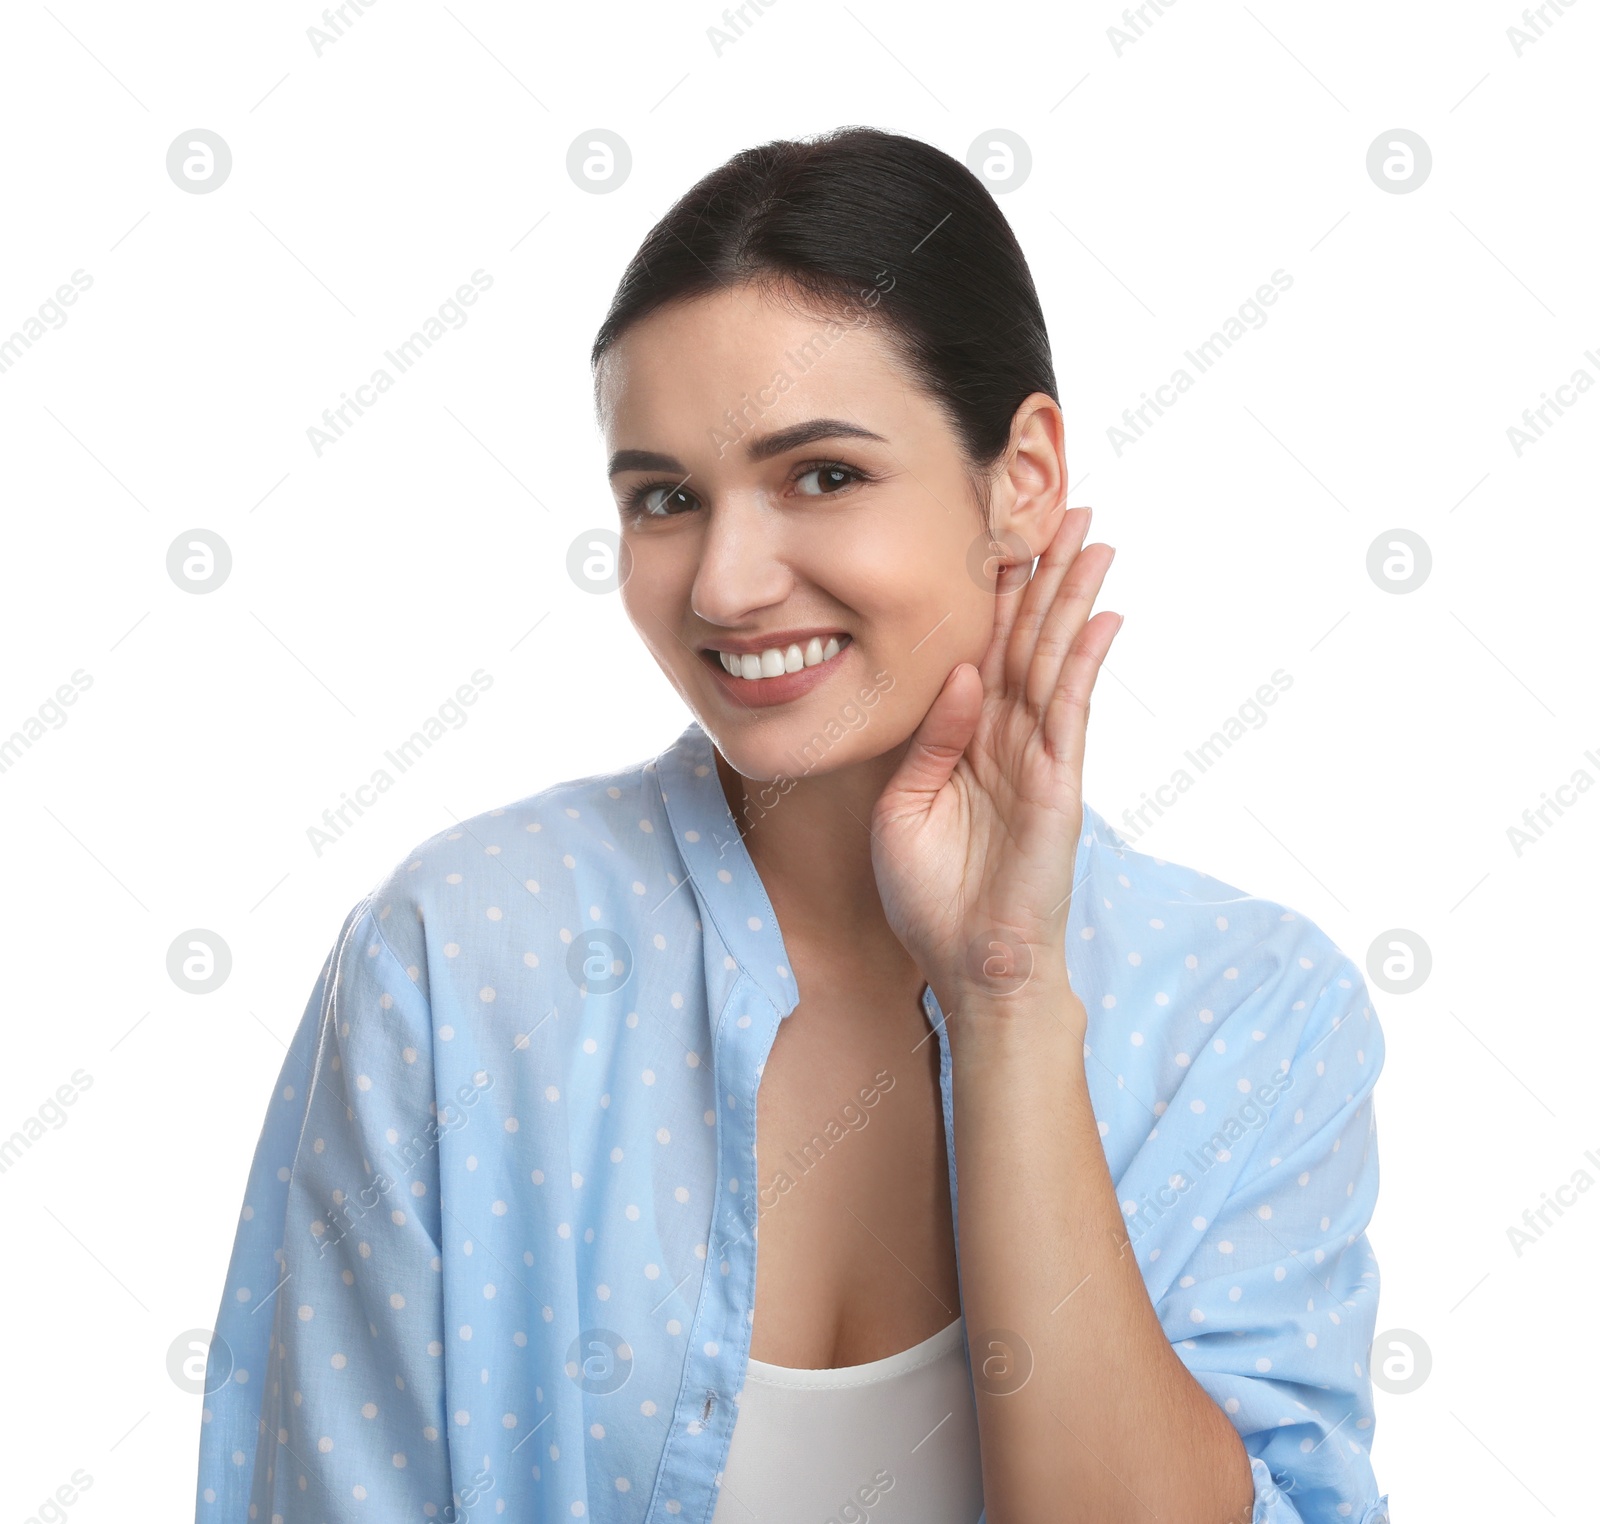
x=811, y=844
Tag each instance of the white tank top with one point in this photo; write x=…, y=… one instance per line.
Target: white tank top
x=894, y=1441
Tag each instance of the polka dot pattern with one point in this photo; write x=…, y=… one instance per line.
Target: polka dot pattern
x=498, y=1235
x=1238, y=1124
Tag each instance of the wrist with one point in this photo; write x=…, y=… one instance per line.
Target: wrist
x=984, y=1021
x=999, y=965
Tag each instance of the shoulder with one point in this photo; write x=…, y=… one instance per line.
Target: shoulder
x=536, y=861
x=1178, y=966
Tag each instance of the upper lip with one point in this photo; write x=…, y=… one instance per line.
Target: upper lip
x=778, y=640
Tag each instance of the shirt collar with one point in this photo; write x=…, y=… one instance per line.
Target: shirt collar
x=730, y=890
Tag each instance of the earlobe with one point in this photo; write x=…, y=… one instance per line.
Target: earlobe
x=1029, y=525
x=1031, y=489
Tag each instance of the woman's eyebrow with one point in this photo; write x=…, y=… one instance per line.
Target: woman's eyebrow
x=760, y=447
x=765, y=446
x=643, y=460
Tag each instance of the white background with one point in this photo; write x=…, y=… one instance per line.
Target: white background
x=1169, y=179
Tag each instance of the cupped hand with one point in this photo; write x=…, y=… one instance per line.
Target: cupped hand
x=975, y=837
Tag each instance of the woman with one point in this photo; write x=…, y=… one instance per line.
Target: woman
x=853, y=937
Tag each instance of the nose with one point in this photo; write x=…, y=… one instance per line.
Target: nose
x=743, y=566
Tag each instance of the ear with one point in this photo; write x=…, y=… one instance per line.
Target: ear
x=1029, y=492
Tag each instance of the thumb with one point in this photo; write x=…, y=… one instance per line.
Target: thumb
x=936, y=746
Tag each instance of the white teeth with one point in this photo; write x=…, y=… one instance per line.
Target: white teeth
x=775, y=660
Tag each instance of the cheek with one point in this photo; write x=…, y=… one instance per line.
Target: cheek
x=655, y=626
x=920, y=610
x=908, y=666
x=927, y=624
x=919, y=562
x=651, y=595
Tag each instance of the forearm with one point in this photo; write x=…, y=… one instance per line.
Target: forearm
x=1109, y=1424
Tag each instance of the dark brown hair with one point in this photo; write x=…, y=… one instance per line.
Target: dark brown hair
x=860, y=210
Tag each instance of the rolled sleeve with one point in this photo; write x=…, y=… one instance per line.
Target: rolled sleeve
x=1277, y=1307
x=334, y=1290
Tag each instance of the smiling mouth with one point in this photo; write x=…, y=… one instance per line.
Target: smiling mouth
x=778, y=661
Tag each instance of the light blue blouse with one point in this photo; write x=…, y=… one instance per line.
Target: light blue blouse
x=496, y=1253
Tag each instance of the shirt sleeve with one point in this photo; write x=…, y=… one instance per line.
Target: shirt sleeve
x=325, y=1378
x=1274, y=1312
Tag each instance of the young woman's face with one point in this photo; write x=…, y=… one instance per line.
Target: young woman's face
x=795, y=507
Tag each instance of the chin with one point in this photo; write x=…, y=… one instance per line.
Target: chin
x=809, y=740
x=786, y=755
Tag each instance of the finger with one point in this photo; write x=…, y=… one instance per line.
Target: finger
x=1066, y=720
x=1066, y=616
x=936, y=746
x=1054, y=564
x=1008, y=591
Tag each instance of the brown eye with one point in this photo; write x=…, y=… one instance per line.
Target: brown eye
x=658, y=500
x=830, y=479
